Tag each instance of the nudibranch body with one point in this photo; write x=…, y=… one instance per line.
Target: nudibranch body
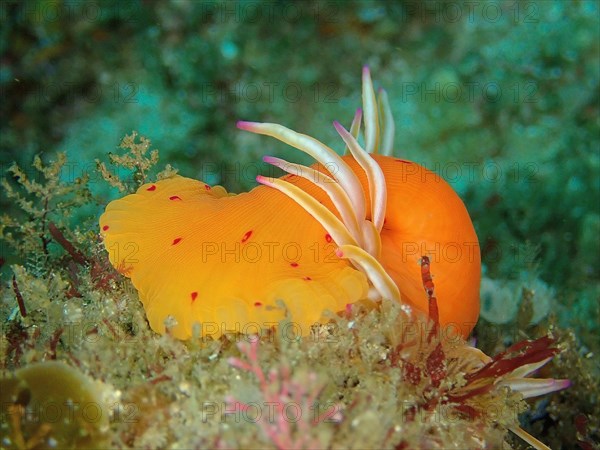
x=320, y=238
x=200, y=255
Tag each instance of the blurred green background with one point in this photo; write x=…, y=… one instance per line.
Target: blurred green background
x=501, y=98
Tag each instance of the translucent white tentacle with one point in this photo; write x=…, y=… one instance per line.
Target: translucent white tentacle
x=326, y=218
x=375, y=177
x=387, y=124
x=370, y=108
x=331, y=187
x=331, y=160
x=371, y=238
x=374, y=270
x=534, y=387
x=538, y=445
x=356, y=122
x=355, y=127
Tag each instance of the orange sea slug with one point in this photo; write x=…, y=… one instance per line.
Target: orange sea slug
x=344, y=230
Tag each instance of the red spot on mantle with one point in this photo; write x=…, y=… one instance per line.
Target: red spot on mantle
x=328, y=237
x=246, y=236
x=307, y=278
x=176, y=241
x=207, y=187
x=194, y=296
x=257, y=304
x=105, y=227
x=294, y=264
x=175, y=197
x=152, y=188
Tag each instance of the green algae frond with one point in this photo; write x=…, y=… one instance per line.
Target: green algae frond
x=52, y=405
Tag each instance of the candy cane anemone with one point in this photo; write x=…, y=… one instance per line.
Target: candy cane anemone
x=346, y=229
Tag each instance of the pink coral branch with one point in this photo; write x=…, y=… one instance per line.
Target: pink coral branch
x=280, y=390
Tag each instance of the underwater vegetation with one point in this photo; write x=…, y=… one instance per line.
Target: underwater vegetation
x=384, y=374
